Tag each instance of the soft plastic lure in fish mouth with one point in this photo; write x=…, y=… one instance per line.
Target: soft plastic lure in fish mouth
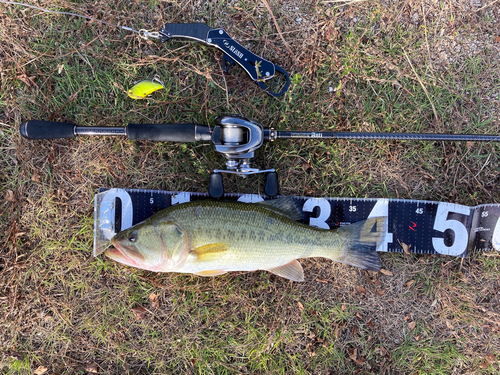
x=146, y=87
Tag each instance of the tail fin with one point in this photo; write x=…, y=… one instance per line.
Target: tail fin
x=363, y=238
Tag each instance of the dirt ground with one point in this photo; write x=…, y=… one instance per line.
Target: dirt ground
x=388, y=66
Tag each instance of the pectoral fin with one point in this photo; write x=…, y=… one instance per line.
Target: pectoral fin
x=291, y=271
x=211, y=251
x=211, y=273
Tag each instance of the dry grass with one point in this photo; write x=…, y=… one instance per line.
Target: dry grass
x=412, y=66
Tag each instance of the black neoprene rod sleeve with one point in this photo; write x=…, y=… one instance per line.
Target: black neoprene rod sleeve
x=36, y=129
x=169, y=132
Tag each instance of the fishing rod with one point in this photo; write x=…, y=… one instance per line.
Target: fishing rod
x=236, y=138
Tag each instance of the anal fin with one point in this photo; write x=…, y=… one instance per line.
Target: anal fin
x=210, y=273
x=291, y=271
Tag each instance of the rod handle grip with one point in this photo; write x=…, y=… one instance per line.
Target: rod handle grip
x=169, y=132
x=38, y=129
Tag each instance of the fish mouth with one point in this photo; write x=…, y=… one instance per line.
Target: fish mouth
x=124, y=254
x=115, y=254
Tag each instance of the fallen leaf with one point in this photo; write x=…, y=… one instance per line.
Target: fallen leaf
x=434, y=303
x=41, y=370
x=484, y=364
x=380, y=292
x=36, y=177
x=462, y=276
x=153, y=298
x=409, y=283
x=354, y=331
x=361, y=289
x=27, y=80
x=406, y=248
x=491, y=357
x=92, y=368
x=331, y=33
x=449, y=325
x=370, y=323
x=353, y=353
x=301, y=306
x=386, y=272
x=9, y=196
x=139, y=312
x=418, y=338
x=469, y=144
x=496, y=39
x=360, y=361
x=412, y=325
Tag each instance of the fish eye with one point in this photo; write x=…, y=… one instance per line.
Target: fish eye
x=132, y=237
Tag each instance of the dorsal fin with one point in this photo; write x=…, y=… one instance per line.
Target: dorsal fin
x=291, y=271
x=286, y=206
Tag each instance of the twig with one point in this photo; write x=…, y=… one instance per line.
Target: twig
x=423, y=86
x=347, y=2
x=279, y=31
x=427, y=42
x=486, y=6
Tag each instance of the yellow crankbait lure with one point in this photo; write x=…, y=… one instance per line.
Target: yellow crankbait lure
x=143, y=88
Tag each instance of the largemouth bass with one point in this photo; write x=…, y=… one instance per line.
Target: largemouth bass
x=210, y=238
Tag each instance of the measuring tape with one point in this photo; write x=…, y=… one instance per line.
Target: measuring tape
x=419, y=227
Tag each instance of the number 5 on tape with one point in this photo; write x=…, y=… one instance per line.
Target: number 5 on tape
x=443, y=222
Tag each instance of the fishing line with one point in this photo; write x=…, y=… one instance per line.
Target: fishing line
x=143, y=33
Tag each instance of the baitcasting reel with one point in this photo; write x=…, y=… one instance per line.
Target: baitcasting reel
x=238, y=139
x=235, y=137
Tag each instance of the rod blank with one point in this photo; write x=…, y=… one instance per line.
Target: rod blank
x=272, y=135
